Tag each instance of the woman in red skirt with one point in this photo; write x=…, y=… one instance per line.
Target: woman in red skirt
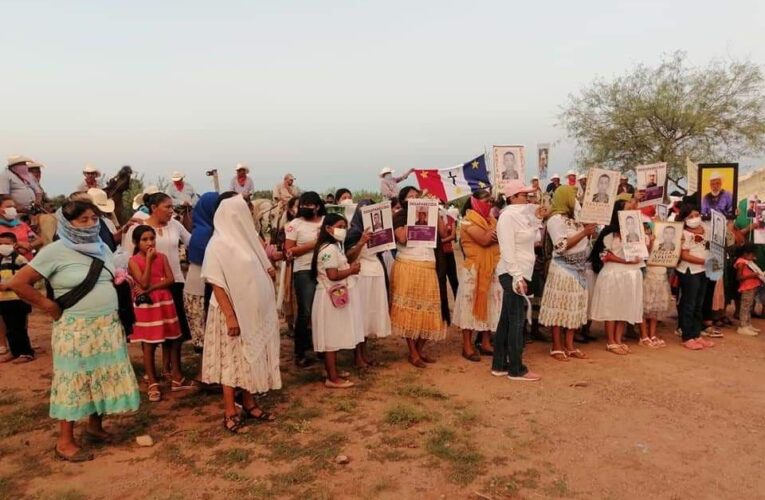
x=156, y=319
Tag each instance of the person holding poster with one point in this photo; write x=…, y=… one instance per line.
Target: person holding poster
x=372, y=280
x=657, y=297
x=418, y=296
x=618, y=296
x=599, y=196
x=564, y=300
x=479, y=297
x=693, y=282
x=509, y=163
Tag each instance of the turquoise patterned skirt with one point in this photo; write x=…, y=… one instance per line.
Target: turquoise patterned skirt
x=91, y=368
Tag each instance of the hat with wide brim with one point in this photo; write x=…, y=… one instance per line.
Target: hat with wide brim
x=386, y=170
x=90, y=169
x=18, y=160
x=177, y=176
x=570, y=173
x=242, y=166
x=289, y=176
x=35, y=164
x=101, y=200
x=555, y=176
x=138, y=199
x=513, y=187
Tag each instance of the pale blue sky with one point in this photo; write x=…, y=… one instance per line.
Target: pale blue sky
x=331, y=91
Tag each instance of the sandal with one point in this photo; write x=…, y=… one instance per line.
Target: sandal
x=419, y=363
x=646, y=342
x=155, y=395
x=80, y=455
x=657, y=342
x=616, y=349
x=345, y=384
x=559, y=355
x=626, y=348
x=233, y=424
x=24, y=358
x=475, y=357
x=182, y=385
x=263, y=416
x=576, y=353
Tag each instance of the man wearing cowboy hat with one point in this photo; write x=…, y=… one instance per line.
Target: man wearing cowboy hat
x=624, y=186
x=242, y=183
x=19, y=184
x=285, y=190
x=554, y=183
x=389, y=184
x=571, y=178
x=91, y=181
x=717, y=198
x=181, y=192
x=35, y=170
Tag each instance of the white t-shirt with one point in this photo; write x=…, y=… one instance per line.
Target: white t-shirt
x=696, y=249
x=301, y=232
x=168, y=239
x=370, y=263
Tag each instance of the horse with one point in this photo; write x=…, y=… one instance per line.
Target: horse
x=114, y=189
x=269, y=218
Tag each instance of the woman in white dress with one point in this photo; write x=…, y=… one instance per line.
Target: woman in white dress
x=242, y=333
x=337, y=321
x=372, y=283
x=618, y=296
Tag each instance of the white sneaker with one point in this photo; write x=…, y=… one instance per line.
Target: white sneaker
x=745, y=330
x=497, y=373
x=527, y=377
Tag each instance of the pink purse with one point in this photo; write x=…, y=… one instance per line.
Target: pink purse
x=339, y=296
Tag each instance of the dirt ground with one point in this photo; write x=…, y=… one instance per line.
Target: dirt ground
x=667, y=423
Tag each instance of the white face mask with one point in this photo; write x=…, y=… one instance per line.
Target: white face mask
x=10, y=213
x=693, y=222
x=339, y=234
x=346, y=201
x=6, y=250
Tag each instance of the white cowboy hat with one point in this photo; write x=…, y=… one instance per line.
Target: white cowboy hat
x=289, y=176
x=242, y=166
x=138, y=199
x=581, y=176
x=101, y=200
x=35, y=164
x=535, y=178
x=177, y=176
x=555, y=176
x=17, y=160
x=386, y=170
x=570, y=173
x=90, y=169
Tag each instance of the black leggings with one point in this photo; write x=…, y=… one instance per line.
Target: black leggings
x=177, y=291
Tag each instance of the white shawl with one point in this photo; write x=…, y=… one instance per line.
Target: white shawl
x=236, y=261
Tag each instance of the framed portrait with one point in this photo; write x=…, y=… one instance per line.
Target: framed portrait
x=543, y=160
x=662, y=212
x=632, y=234
x=718, y=188
x=422, y=223
x=667, y=244
x=378, y=219
x=509, y=164
x=599, y=197
x=651, y=184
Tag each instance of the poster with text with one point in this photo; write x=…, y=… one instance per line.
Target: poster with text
x=713, y=267
x=378, y=220
x=718, y=228
x=543, y=160
x=651, y=182
x=718, y=187
x=599, y=197
x=509, y=164
x=633, y=235
x=667, y=244
x=759, y=224
x=692, y=176
x=422, y=223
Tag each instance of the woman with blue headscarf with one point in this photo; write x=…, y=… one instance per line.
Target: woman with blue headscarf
x=194, y=292
x=92, y=374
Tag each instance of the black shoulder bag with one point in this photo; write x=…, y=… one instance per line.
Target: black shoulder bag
x=76, y=294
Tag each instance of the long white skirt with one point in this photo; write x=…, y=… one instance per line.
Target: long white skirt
x=463, y=316
x=335, y=329
x=375, y=311
x=618, y=294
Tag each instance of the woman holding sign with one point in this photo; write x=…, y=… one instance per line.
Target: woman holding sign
x=564, y=301
x=416, y=307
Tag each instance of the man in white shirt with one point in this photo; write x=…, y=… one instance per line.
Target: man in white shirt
x=91, y=179
x=19, y=184
x=517, y=231
x=285, y=190
x=242, y=182
x=181, y=191
x=389, y=184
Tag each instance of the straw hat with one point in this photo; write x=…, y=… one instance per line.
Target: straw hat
x=386, y=170
x=177, y=176
x=35, y=164
x=101, y=200
x=242, y=166
x=18, y=160
x=138, y=199
x=90, y=169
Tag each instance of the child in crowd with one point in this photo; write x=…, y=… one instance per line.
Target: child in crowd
x=337, y=319
x=657, y=301
x=748, y=284
x=13, y=310
x=156, y=318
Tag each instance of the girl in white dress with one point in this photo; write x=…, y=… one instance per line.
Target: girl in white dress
x=337, y=317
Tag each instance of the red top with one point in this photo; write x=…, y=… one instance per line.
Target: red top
x=750, y=281
x=448, y=247
x=24, y=234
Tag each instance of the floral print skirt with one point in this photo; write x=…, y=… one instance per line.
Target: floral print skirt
x=91, y=368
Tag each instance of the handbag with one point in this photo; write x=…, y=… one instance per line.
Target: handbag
x=339, y=296
x=76, y=294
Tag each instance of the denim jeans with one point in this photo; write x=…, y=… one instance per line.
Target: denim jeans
x=692, y=290
x=508, y=342
x=305, y=288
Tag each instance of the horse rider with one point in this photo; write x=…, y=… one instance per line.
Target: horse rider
x=92, y=179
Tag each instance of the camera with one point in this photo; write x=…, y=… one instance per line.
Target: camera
x=143, y=299
x=212, y=172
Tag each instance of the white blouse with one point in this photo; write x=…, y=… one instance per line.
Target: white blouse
x=696, y=249
x=516, y=233
x=168, y=239
x=560, y=228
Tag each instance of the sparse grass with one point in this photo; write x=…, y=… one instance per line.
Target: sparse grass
x=382, y=485
x=319, y=450
x=304, y=377
x=420, y=391
x=8, y=489
x=388, y=455
x=405, y=415
x=235, y=477
x=466, y=417
x=558, y=488
x=230, y=457
x=173, y=454
x=9, y=398
x=70, y=495
x=509, y=486
x=346, y=405
x=196, y=399
x=24, y=419
x=464, y=459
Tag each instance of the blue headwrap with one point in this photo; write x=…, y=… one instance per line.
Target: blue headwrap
x=202, y=226
x=81, y=239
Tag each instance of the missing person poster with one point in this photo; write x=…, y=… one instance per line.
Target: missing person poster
x=543, y=160
x=715, y=264
x=633, y=235
x=599, y=197
x=378, y=220
x=718, y=228
x=662, y=212
x=759, y=224
x=509, y=164
x=667, y=244
x=651, y=181
x=422, y=223
x=692, y=176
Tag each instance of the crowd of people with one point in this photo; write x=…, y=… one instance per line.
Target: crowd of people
x=527, y=263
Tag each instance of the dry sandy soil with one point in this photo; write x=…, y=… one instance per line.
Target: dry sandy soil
x=664, y=423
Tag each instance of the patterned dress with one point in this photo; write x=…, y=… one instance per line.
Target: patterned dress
x=158, y=321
